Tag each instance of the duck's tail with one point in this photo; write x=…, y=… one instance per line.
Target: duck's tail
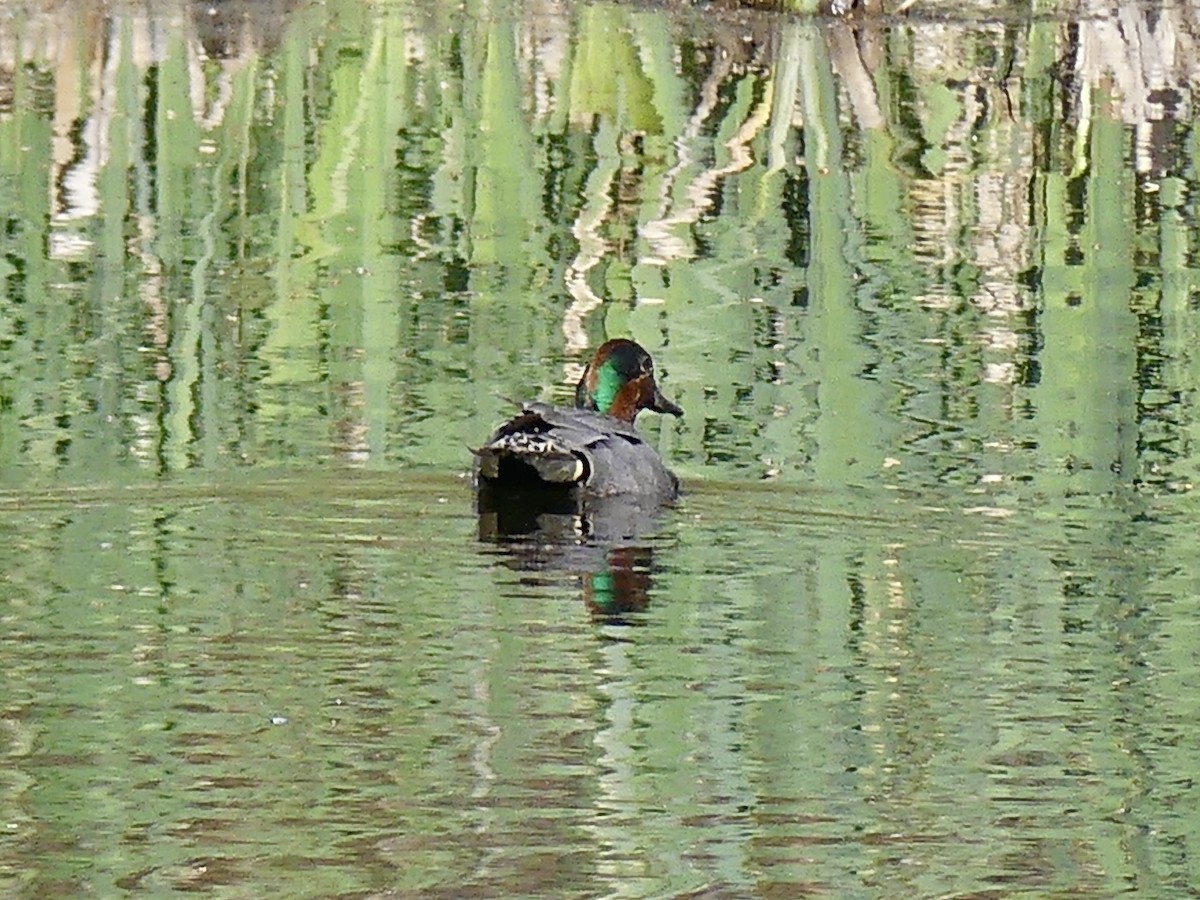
x=523, y=459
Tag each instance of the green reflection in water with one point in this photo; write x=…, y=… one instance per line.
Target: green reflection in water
x=333, y=687
x=359, y=250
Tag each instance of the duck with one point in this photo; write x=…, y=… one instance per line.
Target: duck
x=590, y=450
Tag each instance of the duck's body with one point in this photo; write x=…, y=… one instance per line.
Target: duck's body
x=576, y=448
x=592, y=450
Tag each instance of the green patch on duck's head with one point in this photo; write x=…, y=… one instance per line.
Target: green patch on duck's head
x=619, y=382
x=609, y=382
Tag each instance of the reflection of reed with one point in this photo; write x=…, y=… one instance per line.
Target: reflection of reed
x=700, y=193
x=85, y=46
x=1151, y=54
x=592, y=247
x=710, y=142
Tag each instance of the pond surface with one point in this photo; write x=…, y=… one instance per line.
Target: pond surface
x=926, y=620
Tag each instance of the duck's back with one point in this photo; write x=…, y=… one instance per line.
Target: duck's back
x=598, y=454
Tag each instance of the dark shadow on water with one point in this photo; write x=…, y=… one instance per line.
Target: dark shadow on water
x=606, y=541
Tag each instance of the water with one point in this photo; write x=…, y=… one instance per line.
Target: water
x=924, y=623
x=336, y=688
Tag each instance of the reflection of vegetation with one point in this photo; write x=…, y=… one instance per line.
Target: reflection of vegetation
x=353, y=233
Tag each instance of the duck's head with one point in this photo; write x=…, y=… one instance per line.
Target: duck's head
x=619, y=381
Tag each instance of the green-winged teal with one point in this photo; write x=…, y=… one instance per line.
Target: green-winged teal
x=592, y=449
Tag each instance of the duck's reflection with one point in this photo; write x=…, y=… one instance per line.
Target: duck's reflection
x=605, y=541
x=624, y=587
